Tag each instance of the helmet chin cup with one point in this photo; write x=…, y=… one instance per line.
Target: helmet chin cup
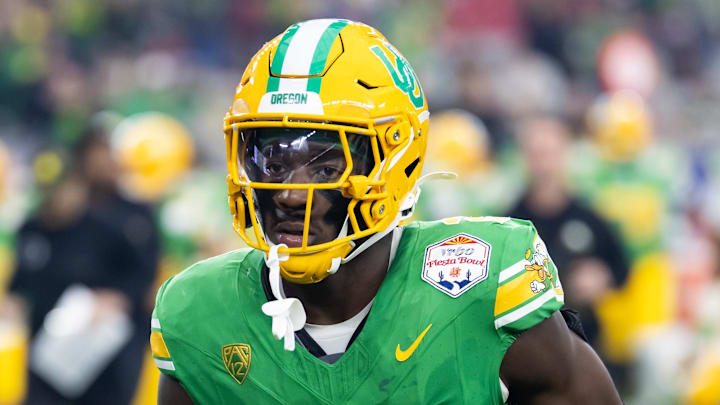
x=313, y=267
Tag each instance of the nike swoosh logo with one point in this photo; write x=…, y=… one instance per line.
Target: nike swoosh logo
x=402, y=355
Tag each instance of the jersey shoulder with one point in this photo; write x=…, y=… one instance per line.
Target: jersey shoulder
x=497, y=231
x=201, y=279
x=524, y=279
x=193, y=295
x=480, y=222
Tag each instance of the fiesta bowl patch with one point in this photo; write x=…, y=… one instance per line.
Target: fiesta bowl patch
x=456, y=264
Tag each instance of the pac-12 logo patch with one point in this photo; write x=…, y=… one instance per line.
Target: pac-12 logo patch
x=236, y=358
x=456, y=264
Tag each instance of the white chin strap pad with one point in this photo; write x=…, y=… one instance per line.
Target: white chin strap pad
x=336, y=261
x=288, y=314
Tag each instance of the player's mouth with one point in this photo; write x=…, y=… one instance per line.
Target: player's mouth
x=290, y=233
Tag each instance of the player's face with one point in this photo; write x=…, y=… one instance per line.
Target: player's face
x=300, y=156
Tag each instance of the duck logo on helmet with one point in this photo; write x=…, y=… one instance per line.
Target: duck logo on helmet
x=402, y=75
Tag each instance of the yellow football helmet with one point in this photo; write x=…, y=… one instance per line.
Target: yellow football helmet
x=460, y=144
x=332, y=88
x=620, y=124
x=154, y=150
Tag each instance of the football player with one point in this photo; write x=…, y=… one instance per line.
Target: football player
x=339, y=299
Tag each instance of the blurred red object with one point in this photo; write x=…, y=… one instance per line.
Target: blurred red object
x=628, y=61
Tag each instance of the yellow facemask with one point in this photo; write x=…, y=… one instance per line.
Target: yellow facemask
x=338, y=77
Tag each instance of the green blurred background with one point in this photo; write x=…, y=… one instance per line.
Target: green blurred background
x=636, y=84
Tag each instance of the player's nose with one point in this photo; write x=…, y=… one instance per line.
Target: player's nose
x=291, y=198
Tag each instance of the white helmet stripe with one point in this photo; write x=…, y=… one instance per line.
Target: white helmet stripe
x=300, y=53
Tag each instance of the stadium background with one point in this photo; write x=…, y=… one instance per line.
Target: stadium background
x=649, y=163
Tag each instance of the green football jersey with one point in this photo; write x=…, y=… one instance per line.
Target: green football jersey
x=456, y=295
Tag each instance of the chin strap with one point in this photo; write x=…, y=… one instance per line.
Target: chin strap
x=288, y=314
x=435, y=176
x=337, y=261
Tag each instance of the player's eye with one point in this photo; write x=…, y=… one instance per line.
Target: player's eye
x=327, y=173
x=275, y=169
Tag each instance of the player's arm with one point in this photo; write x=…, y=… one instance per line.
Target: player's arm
x=170, y=392
x=549, y=364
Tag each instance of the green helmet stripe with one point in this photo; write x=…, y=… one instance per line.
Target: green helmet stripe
x=321, y=54
x=277, y=62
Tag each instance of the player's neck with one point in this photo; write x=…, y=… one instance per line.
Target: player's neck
x=342, y=295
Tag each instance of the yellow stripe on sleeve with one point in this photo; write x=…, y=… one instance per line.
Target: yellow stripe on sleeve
x=157, y=345
x=514, y=293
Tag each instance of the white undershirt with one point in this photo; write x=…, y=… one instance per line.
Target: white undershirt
x=335, y=338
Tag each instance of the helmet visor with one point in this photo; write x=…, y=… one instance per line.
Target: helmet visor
x=301, y=156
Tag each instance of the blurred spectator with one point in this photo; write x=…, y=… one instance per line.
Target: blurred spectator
x=85, y=262
x=587, y=253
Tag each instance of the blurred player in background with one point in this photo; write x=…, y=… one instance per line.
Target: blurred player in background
x=85, y=262
x=588, y=254
x=155, y=152
x=628, y=179
x=586, y=250
x=326, y=139
x=483, y=185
